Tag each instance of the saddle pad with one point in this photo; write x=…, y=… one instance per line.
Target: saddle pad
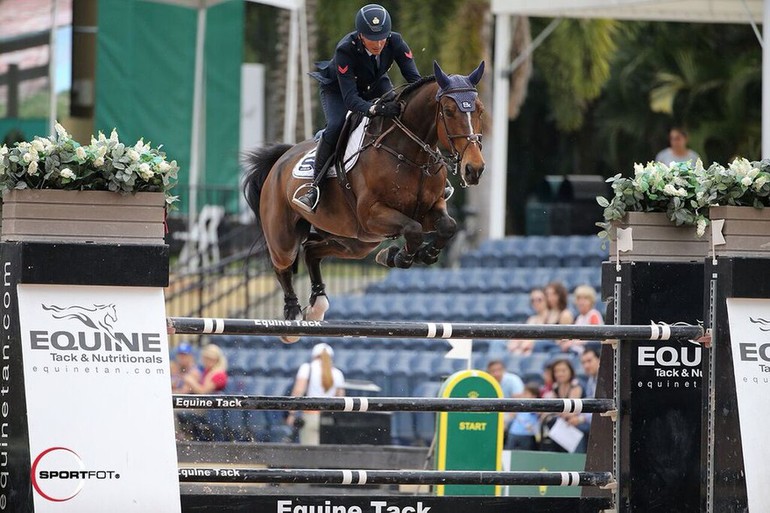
x=304, y=168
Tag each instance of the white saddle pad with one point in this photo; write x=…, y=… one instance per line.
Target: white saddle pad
x=304, y=168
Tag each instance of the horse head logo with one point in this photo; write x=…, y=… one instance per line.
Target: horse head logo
x=100, y=317
x=764, y=323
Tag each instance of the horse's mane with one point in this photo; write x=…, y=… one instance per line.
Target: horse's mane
x=407, y=90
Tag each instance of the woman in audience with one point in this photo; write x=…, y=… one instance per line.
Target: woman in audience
x=319, y=378
x=585, y=300
x=556, y=297
x=214, y=377
x=565, y=386
x=540, y=307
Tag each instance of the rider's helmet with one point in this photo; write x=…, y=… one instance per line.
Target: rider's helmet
x=373, y=22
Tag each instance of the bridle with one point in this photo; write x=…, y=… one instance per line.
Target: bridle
x=435, y=157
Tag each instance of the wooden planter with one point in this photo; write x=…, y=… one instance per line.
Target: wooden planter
x=746, y=231
x=83, y=216
x=656, y=239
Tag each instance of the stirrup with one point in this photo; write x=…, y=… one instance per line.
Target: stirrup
x=297, y=201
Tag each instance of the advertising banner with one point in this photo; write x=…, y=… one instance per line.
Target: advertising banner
x=750, y=342
x=96, y=368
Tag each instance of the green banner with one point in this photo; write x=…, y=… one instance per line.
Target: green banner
x=541, y=461
x=469, y=441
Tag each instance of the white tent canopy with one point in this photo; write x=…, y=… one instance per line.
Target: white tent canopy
x=694, y=11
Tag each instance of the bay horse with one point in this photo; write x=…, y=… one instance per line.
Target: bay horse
x=396, y=188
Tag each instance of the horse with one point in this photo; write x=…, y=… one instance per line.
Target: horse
x=396, y=188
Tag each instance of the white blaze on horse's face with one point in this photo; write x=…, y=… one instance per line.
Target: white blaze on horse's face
x=464, y=140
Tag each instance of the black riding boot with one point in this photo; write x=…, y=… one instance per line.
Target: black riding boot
x=309, y=201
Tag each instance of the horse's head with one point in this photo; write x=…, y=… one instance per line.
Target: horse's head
x=459, y=127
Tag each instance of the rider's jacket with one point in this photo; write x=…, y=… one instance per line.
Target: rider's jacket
x=355, y=73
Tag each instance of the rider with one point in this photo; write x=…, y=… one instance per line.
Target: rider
x=353, y=79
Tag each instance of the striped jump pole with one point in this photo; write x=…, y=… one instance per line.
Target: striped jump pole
x=273, y=327
x=390, y=404
x=392, y=477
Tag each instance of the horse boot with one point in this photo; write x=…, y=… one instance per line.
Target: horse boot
x=309, y=201
x=448, y=190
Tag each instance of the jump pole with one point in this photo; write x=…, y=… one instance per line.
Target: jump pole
x=446, y=330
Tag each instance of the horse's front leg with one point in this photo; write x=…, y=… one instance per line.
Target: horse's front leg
x=388, y=221
x=445, y=228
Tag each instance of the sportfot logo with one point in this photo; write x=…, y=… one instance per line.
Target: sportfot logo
x=98, y=317
x=59, y=474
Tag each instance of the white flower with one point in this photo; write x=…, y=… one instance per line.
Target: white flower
x=638, y=169
x=101, y=136
x=101, y=152
x=61, y=131
x=30, y=156
x=99, y=162
x=132, y=155
x=699, y=167
x=67, y=173
x=701, y=228
x=114, y=135
x=670, y=190
x=163, y=166
x=144, y=171
x=38, y=145
x=80, y=153
x=746, y=181
x=32, y=169
x=740, y=166
x=759, y=182
x=3, y=150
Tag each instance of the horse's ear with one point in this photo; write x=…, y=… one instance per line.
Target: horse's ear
x=475, y=77
x=441, y=79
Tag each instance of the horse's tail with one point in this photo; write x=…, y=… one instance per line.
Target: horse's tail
x=258, y=164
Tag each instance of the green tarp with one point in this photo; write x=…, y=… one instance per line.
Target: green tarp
x=144, y=82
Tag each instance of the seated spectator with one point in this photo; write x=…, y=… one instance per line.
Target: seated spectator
x=565, y=386
x=585, y=300
x=590, y=362
x=214, y=377
x=183, y=365
x=510, y=383
x=525, y=426
x=319, y=378
x=556, y=298
x=540, y=307
x=545, y=390
x=193, y=425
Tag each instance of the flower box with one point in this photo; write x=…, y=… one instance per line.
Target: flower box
x=746, y=231
x=83, y=216
x=657, y=239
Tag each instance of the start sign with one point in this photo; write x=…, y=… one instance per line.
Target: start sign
x=469, y=441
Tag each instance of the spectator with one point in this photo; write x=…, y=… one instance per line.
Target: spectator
x=183, y=366
x=565, y=386
x=214, y=377
x=556, y=298
x=545, y=390
x=677, y=150
x=585, y=300
x=590, y=362
x=510, y=383
x=525, y=426
x=540, y=307
x=319, y=378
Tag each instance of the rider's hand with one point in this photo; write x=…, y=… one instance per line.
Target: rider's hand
x=386, y=109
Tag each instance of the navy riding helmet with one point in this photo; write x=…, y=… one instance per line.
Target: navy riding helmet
x=373, y=22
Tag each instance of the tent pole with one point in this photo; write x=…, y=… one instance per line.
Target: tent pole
x=290, y=108
x=196, y=138
x=500, y=90
x=52, y=68
x=307, y=117
x=766, y=82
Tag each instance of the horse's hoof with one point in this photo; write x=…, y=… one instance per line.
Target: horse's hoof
x=428, y=256
x=386, y=256
x=289, y=340
x=316, y=311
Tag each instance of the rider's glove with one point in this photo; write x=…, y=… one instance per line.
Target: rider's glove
x=385, y=109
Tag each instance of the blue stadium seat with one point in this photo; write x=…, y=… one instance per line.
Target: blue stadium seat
x=402, y=428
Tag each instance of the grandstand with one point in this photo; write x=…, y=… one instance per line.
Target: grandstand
x=491, y=285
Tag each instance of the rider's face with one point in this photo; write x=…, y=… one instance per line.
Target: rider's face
x=374, y=47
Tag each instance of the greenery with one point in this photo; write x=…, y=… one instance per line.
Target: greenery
x=60, y=162
x=684, y=190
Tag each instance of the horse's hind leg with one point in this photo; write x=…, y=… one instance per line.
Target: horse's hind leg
x=315, y=252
